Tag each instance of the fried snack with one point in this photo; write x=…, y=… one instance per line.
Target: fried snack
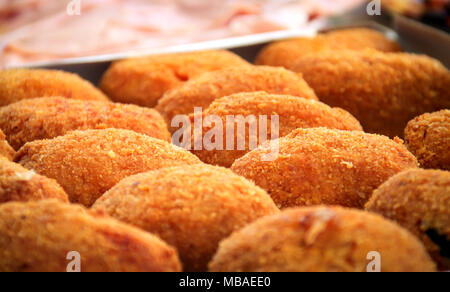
x=20, y=184
x=292, y=113
x=383, y=91
x=46, y=118
x=321, y=239
x=419, y=200
x=190, y=207
x=144, y=81
x=6, y=150
x=39, y=237
x=428, y=138
x=286, y=53
x=88, y=163
x=323, y=166
x=19, y=84
x=202, y=91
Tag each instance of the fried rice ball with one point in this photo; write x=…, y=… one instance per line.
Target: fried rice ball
x=190, y=207
x=419, y=200
x=287, y=52
x=19, y=84
x=292, y=113
x=39, y=237
x=88, y=163
x=46, y=118
x=383, y=91
x=23, y=185
x=428, y=138
x=202, y=91
x=321, y=239
x=6, y=150
x=144, y=81
x=323, y=166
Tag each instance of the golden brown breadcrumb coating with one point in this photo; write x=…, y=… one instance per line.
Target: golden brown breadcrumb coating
x=38, y=236
x=323, y=166
x=292, y=112
x=383, y=91
x=46, y=118
x=20, y=184
x=6, y=150
x=203, y=90
x=428, y=138
x=190, y=207
x=321, y=239
x=285, y=53
x=144, y=81
x=419, y=200
x=19, y=84
x=88, y=163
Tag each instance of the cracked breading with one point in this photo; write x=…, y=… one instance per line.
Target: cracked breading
x=6, y=150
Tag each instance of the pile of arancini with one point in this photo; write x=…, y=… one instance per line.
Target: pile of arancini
x=79, y=172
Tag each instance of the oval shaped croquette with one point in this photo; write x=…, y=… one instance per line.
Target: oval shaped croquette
x=88, y=163
x=321, y=239
x=322, y=166
x=190, y=207
x=39, y=237
x=47, y=118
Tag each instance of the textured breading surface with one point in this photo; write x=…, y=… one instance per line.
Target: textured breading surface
x=37, y=237
x=6, y=150
x=383, y=91
x=202, y=91
x=292, y=112
x=286, y=53
x=19, y=84
x=321, y=239
x=190, y=207
x=419, y=200
x=88, y=163
x=20, y=184
x=46, y=118
x=428, y=138
x=323, y=166
x=143, y=81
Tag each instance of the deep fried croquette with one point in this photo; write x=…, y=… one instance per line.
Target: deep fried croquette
x=419, y=200
x=322, y=166
x=19, y=84
x=202, y=91
x=6, y=150
x=20, y=184
x=321, y=239
x=383, y=91
x=88, y=163
x=292, y=113
x=46, y=118
x=286, y=53
x=428, y=138
x=144, y=81
x=190, y=207
x=39, y=237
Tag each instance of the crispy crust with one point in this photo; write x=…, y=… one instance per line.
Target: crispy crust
x=23, y=185
x=19, y=84
x=383, y=91
x=36, y=237
x=419, y=200
x=323, y=166
x=202, y=91
x=6, y=150
x=190, y=207
x=328, y=239
x=144, y=81
x=88, y=163
x=428, y=138
x=293, y=113
x=46, y=118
